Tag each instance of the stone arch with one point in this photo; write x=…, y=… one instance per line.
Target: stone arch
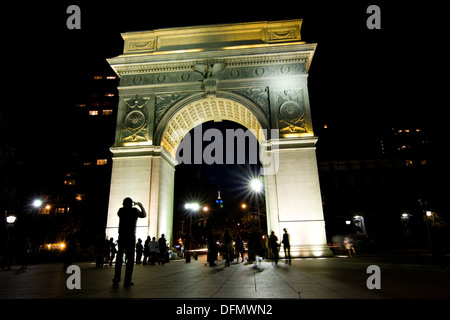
x=252, y=73
x=197, y=109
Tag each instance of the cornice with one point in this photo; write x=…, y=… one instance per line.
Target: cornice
x=243, y=57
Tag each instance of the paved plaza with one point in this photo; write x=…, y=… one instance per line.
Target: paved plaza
x=320, y=278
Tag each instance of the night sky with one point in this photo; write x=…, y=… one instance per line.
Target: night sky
x=360, y=80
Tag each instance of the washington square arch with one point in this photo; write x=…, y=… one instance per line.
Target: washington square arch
x=255, y=74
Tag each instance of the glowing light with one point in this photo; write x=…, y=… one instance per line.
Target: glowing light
x=11, y=219
x=37, y=203
x=429, y=213
x=256, y=185
x=192, y=206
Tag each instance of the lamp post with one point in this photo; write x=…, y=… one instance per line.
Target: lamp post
x=257, y=186
x=428, y=214
x=37, y=204
x=10, y=220
x=193, y=207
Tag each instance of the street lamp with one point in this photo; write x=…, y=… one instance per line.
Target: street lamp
x=10, y=220
x=194, y=207
x=257, y=186
x=428, y=214
x=37, y=203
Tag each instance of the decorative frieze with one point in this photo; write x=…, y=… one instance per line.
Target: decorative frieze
x=230, y=72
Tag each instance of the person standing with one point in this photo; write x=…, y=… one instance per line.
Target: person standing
x=273, y=243
x=112, y=251
x=153, y=248
x=212, y=250
x=139, y=249
x=26, y=253
x=146, y=251
x=228, y=251
x=239, y=248
x=162, y=249
x=286, y=246
x=127, y=238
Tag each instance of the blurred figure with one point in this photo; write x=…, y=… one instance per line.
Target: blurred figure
x=127, y=238
x=349, y=244
x=26, y=253
x=212, y=250
x=228, y=250
x=112, y=251
x=239, y=248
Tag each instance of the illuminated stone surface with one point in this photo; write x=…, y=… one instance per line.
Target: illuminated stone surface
x=255, y=74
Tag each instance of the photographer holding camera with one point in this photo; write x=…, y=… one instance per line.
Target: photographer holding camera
x=128, y=215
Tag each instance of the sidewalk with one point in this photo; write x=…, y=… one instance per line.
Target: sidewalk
x=322, y=278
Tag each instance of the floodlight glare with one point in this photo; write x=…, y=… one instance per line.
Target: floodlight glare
x=37, y=203
x=256, y=185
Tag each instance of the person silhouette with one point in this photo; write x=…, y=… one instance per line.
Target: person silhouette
x=273, y=243
x=286, y=246
x=128, y=215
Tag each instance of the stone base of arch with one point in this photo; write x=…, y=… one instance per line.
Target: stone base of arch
x=145, y=174
x=293, y=198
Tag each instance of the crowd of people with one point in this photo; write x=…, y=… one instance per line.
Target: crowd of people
x=150, y=252
x=258, y=245
x=153, y=251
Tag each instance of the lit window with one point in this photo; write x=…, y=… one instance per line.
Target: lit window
x=69, y=182
x=86, y=163
x=110, y=77
x=98, y=77
x=95, y=104
x=409, y=163
x=60, y=210
x=93, y=112
x=80, y=105
x=109, y=94
x=102, y=162
x=423, y=162
x=107, y=112
x=80, y=196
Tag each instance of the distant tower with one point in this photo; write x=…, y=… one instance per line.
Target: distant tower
x=219, y=200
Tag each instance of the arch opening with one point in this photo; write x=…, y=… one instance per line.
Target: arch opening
x=199, y=111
